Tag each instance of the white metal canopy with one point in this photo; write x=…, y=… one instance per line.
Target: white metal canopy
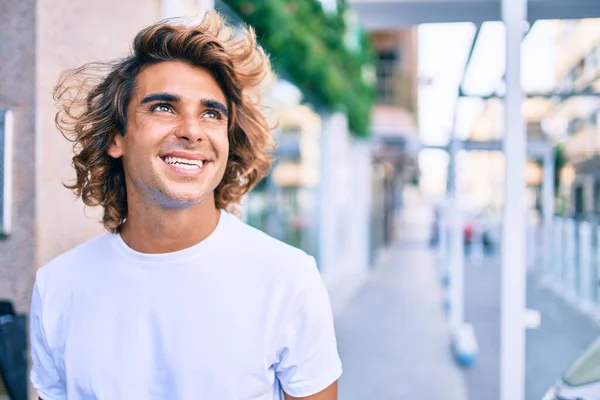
x=391, y=14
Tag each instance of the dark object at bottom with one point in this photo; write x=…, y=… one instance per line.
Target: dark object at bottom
x=13, y=352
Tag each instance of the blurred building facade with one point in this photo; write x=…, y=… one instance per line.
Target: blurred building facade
x=481, y=173
x=330, y=193
x=569, y=120
x=578, y=70
x=394, y=127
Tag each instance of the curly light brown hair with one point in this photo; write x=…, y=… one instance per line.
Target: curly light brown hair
x=93, y=99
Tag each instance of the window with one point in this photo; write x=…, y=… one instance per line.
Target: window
x=597, y=197
x=386, y=68
x=579, y=203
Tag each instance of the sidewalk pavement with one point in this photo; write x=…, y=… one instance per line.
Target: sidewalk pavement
x=393, y=335
x=563, y=329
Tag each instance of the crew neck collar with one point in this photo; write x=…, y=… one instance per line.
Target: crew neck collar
x=175, y=257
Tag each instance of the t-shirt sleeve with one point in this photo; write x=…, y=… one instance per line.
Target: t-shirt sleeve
x=44, y=376
x=308, y=357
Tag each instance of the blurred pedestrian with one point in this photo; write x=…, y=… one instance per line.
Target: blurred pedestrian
x=179, y=299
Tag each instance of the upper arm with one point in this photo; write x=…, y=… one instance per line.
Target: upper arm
x=330, y=393
x=308, y=361
x=45, y=375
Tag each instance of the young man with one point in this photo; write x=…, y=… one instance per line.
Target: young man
x=179, y=299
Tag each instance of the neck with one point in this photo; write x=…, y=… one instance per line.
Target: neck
x=151, y=229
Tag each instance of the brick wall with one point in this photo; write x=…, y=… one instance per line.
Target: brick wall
x=17, y=91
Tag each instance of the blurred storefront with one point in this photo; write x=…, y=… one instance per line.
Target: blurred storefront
x=394, y=130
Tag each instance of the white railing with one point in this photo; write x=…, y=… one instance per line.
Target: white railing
x=574, y=263
x=555, y=271
x=569, y=259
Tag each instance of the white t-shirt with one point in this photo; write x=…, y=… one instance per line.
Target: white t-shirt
x=236, y=317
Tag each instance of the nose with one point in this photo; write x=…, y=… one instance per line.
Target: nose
x=191, y=129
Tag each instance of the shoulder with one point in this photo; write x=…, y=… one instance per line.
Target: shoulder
x=252, y=239
x=275, y=257
x=64, y=269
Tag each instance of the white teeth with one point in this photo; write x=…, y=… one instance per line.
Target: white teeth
x=185, y=166
x=184, y=162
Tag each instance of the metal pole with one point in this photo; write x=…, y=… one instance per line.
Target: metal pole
x=570, y=260
x=585, y=285
x=512, y=342
x=456, y=252
x=557, y=250
x=325, y=194
x=548, y=210
x=597, y=261
x=361, y=160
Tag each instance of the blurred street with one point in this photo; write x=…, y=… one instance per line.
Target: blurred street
x=393, y=336
x=564, y=333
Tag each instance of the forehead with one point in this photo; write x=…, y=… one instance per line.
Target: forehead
x=177, y=77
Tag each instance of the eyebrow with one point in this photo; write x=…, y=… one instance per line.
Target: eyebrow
x=216, y=105
x=168, y=97
x=173, y=98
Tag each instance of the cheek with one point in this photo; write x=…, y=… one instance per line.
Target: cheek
x=137, y=153
x=146, y=133
x=221, y=144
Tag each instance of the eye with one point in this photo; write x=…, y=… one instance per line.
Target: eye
x=213, y=114
x=162, y=107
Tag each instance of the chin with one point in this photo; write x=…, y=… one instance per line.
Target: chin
x=182, y=199
x=189, y=198
x=177, y=194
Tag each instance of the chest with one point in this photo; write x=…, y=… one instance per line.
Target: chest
x=193, y=342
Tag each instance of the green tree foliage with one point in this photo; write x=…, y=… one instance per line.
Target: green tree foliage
x=307, y=44
x=560, y=160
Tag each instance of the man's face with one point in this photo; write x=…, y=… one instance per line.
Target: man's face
x=175, y=147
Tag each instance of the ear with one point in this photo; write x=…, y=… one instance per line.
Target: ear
x=115, y=148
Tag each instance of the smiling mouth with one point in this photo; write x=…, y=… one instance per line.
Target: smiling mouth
x=183, y=163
